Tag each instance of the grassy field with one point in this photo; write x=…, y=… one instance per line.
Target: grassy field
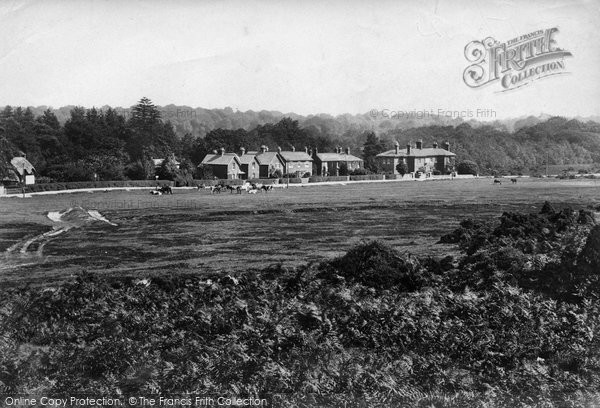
x=512, y=320
x=195, y=231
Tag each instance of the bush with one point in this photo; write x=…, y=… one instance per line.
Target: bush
x=320, y=179
x=43, y=180
x=359, y=172
x=139, y=170
x=402, y=168
x=467, y=167
x=168, y=169
x=376, y=265
x=204, y=172
x=276, y=174
x=367, y=177
x=343, y=170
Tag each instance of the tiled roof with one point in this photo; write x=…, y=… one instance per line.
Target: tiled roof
x=295, y=156
x=247, y=158
x=224, y=159
x=266, y=157
x=338, y=157
x=414, y=152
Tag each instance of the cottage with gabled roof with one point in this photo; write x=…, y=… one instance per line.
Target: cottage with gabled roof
x=269, y=162
x=249, y=164
x=418, y=158
x=223, y=165
x=329, y=164
x=20, y=170
x=299, y=163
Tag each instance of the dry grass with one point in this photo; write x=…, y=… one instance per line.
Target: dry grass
x=195, y=231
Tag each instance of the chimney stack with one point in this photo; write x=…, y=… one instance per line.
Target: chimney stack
x=309, y=152
x=397, y=146
x=347, y=150
x=446, y=145
x=242, y=151
x=278, y=149
x=222, y=150
x=293, y=149
x=408, y=149
x=435, y=145
x=306, y=149
x=263, y=149
x=214, y=152
x=419, y=144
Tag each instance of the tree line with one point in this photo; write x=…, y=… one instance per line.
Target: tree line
x=104, y=144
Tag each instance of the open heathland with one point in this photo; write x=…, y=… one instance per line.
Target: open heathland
x=503, y=311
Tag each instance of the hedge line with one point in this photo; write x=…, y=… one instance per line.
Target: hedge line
x=368, y=177
x=35, y=188
x=320, y=179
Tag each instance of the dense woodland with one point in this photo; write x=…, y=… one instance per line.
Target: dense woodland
x=117, y=144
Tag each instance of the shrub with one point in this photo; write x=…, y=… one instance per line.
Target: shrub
x=276, y=174
x=402, y=168
x=168, y=169
x=376, y=265
x=204, y=172
x=343, y=170
x=140, y=170
x=359, y=172
x=467, y=167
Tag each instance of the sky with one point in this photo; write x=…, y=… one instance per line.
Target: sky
x=301, y=56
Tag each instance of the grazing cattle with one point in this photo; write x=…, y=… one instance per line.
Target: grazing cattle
x=267, y=188
x=230, y=188
x=497, y=182
x=166, y=190
x=513, y=180
x=252, y=191
x=243, y=187
x=162, y=190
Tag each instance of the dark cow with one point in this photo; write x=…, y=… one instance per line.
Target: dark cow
x=162, y=190
x=166, y=190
